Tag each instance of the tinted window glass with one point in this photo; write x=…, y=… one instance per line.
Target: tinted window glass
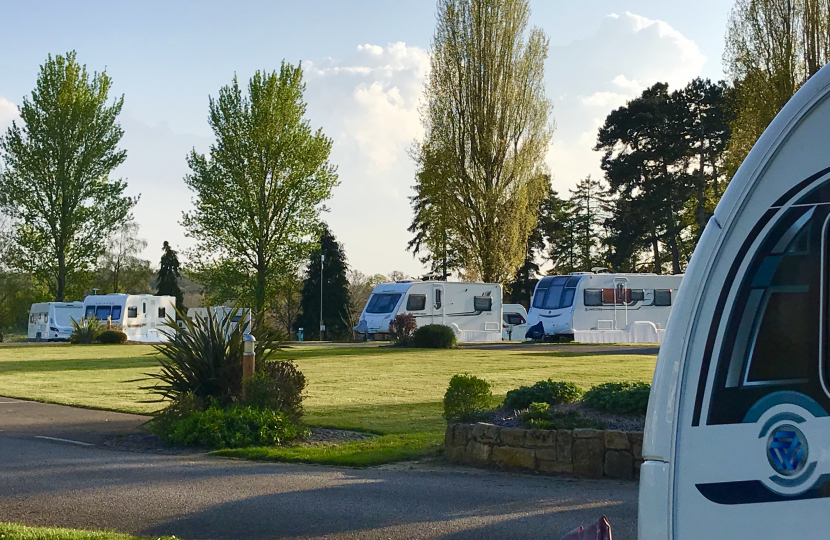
x=437, y=298
x=89, y=313
x=593, y=297
x=554, y=297
x=539, y=298
x=482, y=303
x=132, y=312
x=783, y=333
x=662, y=297
x=162, y=312
x=116, y=312
x=102, y=312
x=513, y=318
x=637, y=295
x=416, y=302
x=383, y=302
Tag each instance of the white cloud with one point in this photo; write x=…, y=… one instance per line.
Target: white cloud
x=8, y=113
x=595, y=75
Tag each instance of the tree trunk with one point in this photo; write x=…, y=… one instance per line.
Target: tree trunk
x=655, y=249
x=701, y=194
x=61, y=277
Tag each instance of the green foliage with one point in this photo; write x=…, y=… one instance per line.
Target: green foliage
x=542, y=416
x=551, y=392
x=336, y=305
x=259, y=192
x=232, y=427
x=403, y=328
x=168, y=276
x=204, y=358
x=86, y=331
x=112, y=337
x=434, y=336
x=56, y=183
x=619, y=397
x=277, y=386
x=467, y=396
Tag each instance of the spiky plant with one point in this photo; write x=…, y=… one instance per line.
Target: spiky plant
x=86, y=331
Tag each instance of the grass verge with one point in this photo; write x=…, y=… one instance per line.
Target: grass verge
x=12, y=531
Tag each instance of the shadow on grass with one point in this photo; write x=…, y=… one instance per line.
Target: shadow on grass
x=75, y=364
x=586, y=354
x=327, y=352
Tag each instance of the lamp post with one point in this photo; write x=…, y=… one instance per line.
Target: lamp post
x=322, y=326
x=248, y=359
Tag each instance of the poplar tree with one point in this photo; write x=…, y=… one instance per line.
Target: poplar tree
x=169, y=274
x=56, y=184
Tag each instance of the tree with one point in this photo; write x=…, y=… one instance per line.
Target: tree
x=287, y=302
x=360, y=289
x=260, y=193
x=120, y=270
x=589, y=204
x=56, y=184
x=772, y=48
x=335, y=292
x=486, y=124
x=169, y=274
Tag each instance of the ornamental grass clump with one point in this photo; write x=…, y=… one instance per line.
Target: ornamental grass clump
x=86, y=331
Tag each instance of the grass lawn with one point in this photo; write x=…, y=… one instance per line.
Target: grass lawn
x=393, y=392
x=10, y=531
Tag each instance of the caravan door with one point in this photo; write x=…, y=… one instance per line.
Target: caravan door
x=438, y=303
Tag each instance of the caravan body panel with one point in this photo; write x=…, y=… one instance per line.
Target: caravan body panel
x=52, y=321
x=221, y=312
x=472, y=310
x=738, y=425
x=141, y=316
x=603, y=308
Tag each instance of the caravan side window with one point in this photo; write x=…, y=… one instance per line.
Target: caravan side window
x=482, y=303
x=437, y=298
x=132, y=312
x=162, y=312
x=116, y=312
x=593, y=297
x=102, y=312
x=416, y=302
x=662, y=297
x=89, y=313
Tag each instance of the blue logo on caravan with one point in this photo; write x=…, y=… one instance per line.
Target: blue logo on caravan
x=787, y=450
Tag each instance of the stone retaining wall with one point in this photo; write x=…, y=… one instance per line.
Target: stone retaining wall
x=586, y=453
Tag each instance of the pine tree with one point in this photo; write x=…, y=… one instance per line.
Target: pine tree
x=335, y=293
x=168, y=276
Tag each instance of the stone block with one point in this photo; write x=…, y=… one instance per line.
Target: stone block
x=585, y=433
x=547, y=466
x=460, y=435
x=510, y=457
x=588, y=457
x=619, y=464
x=512, y=436
x=547, y=454
x=478, y=454
x=484, y=433
x=455, y=454
x=637, y=449
x=616, y=440
x=564, y=442
x=449, y=435
x=541, y=438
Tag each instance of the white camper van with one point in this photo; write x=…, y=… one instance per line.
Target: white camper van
x=139, y=315
x=602, y=308
x=737, y=437
x=52, y=321
x=472, y=310
x=221, y=312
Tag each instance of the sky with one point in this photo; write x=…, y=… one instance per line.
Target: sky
x=365, y=64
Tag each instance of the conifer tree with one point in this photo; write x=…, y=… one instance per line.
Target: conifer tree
x=335, y=292
x=168, y=276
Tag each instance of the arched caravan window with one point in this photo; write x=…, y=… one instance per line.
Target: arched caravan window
x=555, y=292
x=773, y=337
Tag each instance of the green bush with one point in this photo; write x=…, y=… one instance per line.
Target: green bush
x=86, y=331
x=402, y=328
x=551, y=392
x=112, y=337
x=434, y=336
x=277, y=386
x=541, y=416
x=232, y=427
x=619, y=397
x=467, y=396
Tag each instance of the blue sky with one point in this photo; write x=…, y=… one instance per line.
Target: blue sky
x=365, y=62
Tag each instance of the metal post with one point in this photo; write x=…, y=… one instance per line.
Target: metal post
x=322, y=326
x=248, y=359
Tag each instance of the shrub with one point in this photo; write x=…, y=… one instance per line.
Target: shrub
x=232, y=427
x=467, y=396
x=112, y=336
x=277, y=386
x=434, y=336
x=551, y=392
x=541, y=416
x=402, y=328
x=204, y=357
x=619, y=397
x=86, y=331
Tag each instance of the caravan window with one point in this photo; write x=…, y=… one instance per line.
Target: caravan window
x=116, y=313
x=132, y=312
x=662, y=297
x=102, y=312
x=437, y=298
x=593, y=297
x=638, y=295
x=383, y=302
x=559, y=295
x=482, y=303
x=162, y=312
x=416, y=302
x=539, y=298
x=89, y=313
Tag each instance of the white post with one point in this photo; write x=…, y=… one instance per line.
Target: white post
x=248, y=359
x=322, y=327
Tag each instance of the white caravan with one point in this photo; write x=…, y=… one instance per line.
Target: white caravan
x=737, y=437
x=472, y=310
x=50, y=321
x=602, y=308
x=221, y=312
x=514, y=322
x=140, y=316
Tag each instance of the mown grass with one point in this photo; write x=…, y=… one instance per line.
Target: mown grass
x=12, y=531
x=383, y=390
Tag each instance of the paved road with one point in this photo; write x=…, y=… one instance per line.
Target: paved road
x=47, y=482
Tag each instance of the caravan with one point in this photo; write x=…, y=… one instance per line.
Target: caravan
x=602, y=308
x=737, y=436
x=141, y=316
x=52, y=321
x=221, y=313
x=472, y=310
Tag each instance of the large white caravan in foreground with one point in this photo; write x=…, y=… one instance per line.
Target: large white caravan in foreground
x=737, y=436
x=602, y=308
x=472, y=310
x=52, y=321
x=140, y=316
